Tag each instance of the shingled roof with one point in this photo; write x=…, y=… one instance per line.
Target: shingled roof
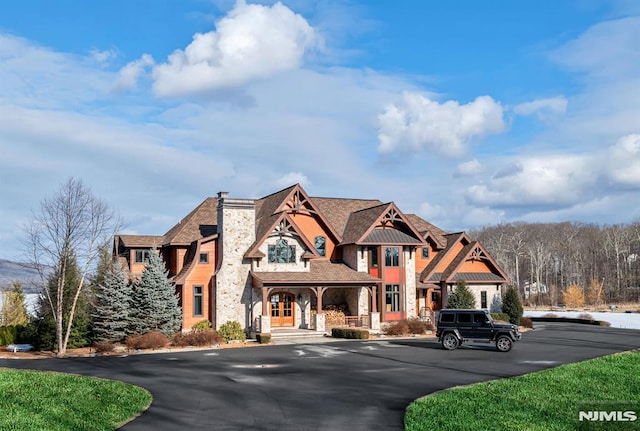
x=360, y=221
x=451, y=240
x=142, y=241
x=320, y=272
x=338, y=210
x=426, y=228
x=199, y=223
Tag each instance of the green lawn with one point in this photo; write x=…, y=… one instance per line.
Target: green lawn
x=35, y=400
x=545, y=400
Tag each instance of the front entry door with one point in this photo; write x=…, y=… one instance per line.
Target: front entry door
x=281, y=305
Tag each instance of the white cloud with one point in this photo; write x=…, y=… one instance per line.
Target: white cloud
x=417, y=123
x=292, y=178
x=129, y=74
x=607, y=50
x=556, y=104
x=430, y=211
x=103, y=56
x=251, y=42
x=33, y=75
x=624, y=161
x=480, y=216
x=469, y=169
x=537, y=181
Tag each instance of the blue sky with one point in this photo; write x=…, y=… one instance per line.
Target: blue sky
x=467, y=113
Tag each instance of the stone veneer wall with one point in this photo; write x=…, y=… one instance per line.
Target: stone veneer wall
x=494, y=296
x=355, y=258
x=410, y=281
x=236, y=230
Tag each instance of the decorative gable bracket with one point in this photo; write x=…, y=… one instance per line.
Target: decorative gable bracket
x=477, y=254
x=284, y=228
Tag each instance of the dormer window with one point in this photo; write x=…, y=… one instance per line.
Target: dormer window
x=320, y=243
x=142, y=256
x=203, y=258
x=425, y=252
x=282, y=252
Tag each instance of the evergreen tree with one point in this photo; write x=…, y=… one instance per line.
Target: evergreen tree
x=14, y=309
x=79, y=335
x=154, y=304
x=461, y=297
x=111, y=312
x=512, y=306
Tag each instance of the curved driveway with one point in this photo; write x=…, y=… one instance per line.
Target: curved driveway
x=346, y=385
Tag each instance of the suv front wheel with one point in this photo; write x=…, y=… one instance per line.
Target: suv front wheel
x=504, y=343
x=450, y=342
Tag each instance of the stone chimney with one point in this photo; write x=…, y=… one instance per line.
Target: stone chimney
x=236, y=233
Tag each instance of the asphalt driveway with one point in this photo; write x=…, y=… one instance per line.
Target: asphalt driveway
x=350, y=385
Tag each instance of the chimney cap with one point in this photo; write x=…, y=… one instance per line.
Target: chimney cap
x=222, y=195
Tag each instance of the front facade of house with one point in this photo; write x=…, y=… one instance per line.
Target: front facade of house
x=282, y=260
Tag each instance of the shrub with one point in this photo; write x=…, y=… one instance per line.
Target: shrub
x=512, y=306
x=196, y=338
x=203, y=325
x=418, y=326
x=150, y=340
x=500, y=317
x=232, y=331
x=526, y=322
x=357, y=334
x=461, y=297
x=103, y=347
x=400, y=327
x=263, y=338
x=551, y=315
x=413, y=325
x=585, y=316
x=9, y=334
x=604, y=323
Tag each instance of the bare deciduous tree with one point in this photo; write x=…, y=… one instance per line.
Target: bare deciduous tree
x=71, y=222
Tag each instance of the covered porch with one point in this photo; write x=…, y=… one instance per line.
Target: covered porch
x=299, y=299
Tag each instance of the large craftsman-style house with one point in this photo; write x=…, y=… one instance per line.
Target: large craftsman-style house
x=279, y=261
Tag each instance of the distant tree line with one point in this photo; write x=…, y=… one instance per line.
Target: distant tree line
x=602, y=262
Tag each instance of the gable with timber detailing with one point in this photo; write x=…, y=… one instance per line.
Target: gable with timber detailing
x=310, y=222
x=298, y=201
x=393, y=218
x=283, y=227
x=477, y=254
x=284, y=248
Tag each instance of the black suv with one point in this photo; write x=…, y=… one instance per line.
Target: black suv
x=457, y=326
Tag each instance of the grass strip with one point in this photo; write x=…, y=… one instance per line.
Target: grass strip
x=36, y=400
x=546, y=400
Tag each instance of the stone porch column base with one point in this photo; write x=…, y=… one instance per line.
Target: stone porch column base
x=265, y=324
x=319, y=322
x=374, y=321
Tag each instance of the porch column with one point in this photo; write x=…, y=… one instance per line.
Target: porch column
x=265, y=300
x=374, y=316
x=319, y=291
x=319, y=321
x=265, y=318
x=374, y=299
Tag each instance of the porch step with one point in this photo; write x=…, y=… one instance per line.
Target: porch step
x=295, y=333
x=284, y=336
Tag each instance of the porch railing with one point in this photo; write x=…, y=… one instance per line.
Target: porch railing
x=339, y=321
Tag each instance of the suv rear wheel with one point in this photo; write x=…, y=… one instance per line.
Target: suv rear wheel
x=450, y=342
x=504, y=343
